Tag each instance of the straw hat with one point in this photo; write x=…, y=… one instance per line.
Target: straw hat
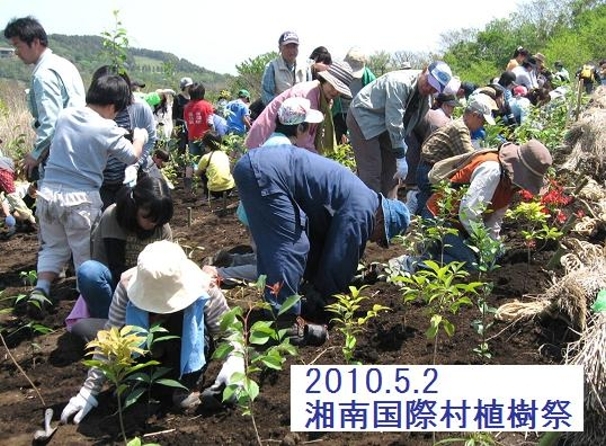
x=165, y=280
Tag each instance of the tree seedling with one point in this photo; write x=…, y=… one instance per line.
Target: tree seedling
x=244, y=338
x=441, y=288
x=115, y=353
x=348, y=320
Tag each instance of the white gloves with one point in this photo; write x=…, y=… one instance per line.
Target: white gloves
x=140, y=134
x=401, y=169
x=233, y=364
x=130, y=176
x=79, y=406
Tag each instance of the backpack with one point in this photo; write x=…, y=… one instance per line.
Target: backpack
x=446, y=168
x=587, y=73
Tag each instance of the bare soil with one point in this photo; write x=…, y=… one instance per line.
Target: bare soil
x=52, y=361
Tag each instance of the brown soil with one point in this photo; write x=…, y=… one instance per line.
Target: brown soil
x=397, y=337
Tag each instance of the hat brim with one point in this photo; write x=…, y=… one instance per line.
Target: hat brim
x=150, y=297
x=339, y=86
x=288, y=41
x=314, y=116
x=396, y=217
x=489, y=119
x=518, y=173
x=435, y=83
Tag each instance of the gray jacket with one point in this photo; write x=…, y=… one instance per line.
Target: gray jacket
x=381, y=106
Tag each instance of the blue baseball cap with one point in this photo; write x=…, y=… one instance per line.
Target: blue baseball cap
x=396, y=217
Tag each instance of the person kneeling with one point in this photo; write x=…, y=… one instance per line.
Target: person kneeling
x=167, y=288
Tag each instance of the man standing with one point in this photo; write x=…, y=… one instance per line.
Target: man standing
x=380, y=117
x=55, y=85
x=284, y=71
x=180, y=127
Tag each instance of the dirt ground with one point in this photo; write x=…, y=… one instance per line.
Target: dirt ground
x=52, y=361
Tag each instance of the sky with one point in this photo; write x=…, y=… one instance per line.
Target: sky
x=219, y=39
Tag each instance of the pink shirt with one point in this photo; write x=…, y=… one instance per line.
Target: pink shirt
x=265, y=124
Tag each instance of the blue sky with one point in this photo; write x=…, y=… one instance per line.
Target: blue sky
x=219, y=39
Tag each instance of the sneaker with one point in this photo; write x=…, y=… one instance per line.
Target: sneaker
x=9, y=233
x=403, y=264
x=411, y=201
x=303, y=333
x=186, y=399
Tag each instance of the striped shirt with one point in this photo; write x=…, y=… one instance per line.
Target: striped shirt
x=215, y=308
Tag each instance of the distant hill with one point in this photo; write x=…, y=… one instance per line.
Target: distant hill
x=155, y=68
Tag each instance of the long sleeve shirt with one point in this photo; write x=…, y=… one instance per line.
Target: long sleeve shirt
x=55, y=84
x=82, y=144
x=137, y=115
x=265, y=124
x=449, y=140
x=214, y=309
x=484, y=183
x=382, y=106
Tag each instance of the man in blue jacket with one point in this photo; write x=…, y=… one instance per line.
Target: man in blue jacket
x=310, y=218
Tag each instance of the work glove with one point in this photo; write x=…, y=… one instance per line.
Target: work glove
x=140, y=134
x=130, y=176
x=233, y=364
x=401, y=169
x=79, y=406
x=10, y=221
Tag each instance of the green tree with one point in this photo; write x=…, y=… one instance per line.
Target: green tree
x=380, y=62
x=251, y=71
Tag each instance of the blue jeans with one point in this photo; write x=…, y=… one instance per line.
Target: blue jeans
x=97, y=287
x=424, y=186
x=451, y=249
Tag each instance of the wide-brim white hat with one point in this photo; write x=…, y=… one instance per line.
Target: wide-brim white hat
x=165, y=280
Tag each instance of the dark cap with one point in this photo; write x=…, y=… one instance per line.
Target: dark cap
x=288, y=37
x=508, y=78
x=448, y=99
x=137, y=84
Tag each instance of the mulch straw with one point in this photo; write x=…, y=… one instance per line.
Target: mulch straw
x=571, y=295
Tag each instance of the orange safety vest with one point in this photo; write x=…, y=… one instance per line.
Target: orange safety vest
x=502, y=195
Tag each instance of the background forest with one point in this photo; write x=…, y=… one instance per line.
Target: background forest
x=569, y=30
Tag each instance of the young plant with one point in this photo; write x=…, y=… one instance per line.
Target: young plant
x=114, y=353
x=487, y=251
x=29, y=277
x=244, y=337
x=533, y=218
x=349, y=322
x=471, y=439
x=442, y=290
x=444, y=223
x=144, y=381
x=343, y=154
x=115, y=44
